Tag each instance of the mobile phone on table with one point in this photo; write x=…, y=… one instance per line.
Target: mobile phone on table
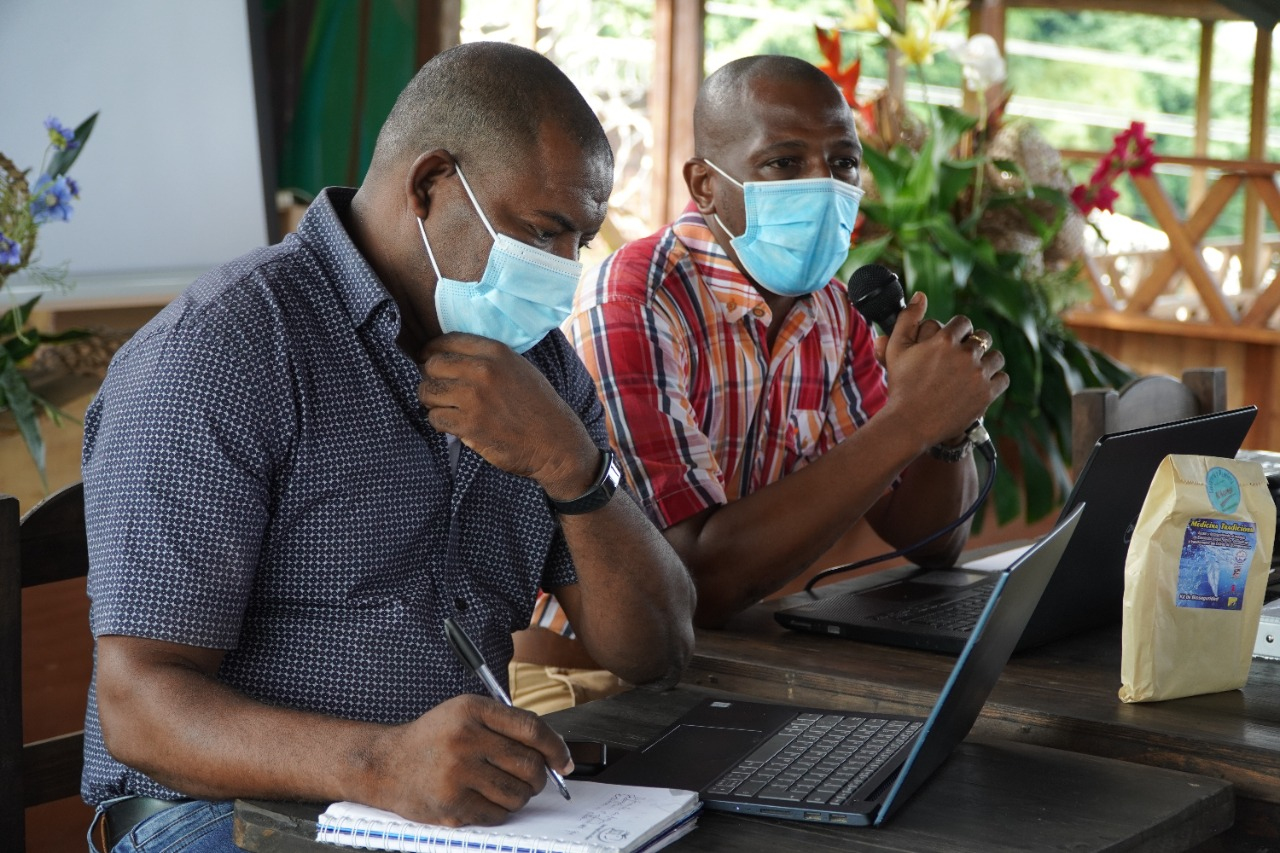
x=589, y=757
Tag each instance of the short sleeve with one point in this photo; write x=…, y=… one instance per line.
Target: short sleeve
x=177, y=460
x=639, y=364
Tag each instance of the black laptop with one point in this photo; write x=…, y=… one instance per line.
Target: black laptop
x=936, y=609
x=841, y=767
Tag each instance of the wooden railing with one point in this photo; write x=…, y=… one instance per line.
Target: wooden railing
x=1166, y=311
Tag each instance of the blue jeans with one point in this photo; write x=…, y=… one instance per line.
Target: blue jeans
x=195, y=827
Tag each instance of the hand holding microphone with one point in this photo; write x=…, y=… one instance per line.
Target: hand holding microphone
x=878, y=295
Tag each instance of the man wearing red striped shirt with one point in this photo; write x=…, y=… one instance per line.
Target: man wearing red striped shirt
x=757, y=415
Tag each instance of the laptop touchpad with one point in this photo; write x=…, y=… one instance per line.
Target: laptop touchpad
x=690, y=757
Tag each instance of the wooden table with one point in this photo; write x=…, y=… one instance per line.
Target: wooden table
x=1062, y=695
x=987, y=797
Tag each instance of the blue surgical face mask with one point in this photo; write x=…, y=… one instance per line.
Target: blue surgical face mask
x=522, y=295
x=797, y=231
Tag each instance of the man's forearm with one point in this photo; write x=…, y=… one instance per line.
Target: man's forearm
x=633, y=604
x=933, y=493
x=163, y=716
x=742, y=551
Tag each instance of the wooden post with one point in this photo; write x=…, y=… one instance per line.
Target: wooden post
x=678, y=33
x=1251, y=255
x=1204, y=94
x=439, y=27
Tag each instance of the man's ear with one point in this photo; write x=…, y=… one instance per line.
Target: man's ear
x=424, y=177
x=698, y=178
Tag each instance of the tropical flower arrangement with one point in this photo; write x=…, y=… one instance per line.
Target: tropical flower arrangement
x=26, y=206
x=977, y=213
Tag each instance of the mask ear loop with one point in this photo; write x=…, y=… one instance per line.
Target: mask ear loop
x=737, y=184
x=475, y=204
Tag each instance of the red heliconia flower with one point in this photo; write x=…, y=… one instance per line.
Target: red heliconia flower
x=832, y=56
x=845, y=78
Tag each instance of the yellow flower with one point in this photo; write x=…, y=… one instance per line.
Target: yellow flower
x=864, y=18
x=943, y=13
x=916, y=44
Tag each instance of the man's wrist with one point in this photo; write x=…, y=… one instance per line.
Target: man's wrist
x=952, y=450
x=606, y=481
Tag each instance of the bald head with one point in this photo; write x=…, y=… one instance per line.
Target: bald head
x=723, y=95
x=486, y=103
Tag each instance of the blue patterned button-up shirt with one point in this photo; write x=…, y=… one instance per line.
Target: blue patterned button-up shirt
x=260, y=477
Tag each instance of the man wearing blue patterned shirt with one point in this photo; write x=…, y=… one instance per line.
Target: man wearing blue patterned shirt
x=324, y=448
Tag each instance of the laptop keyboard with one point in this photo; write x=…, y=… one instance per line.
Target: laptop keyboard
x=818, y=759
x=953, y=614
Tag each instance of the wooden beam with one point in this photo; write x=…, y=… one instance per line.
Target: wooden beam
x=1144, y=295
x=1268, y=300
x=439, y=28
x=1185, y=250
x=1251, y=254
x=1205, y=10
x=1204, y=96
x=1244, y=167
x=679, y=33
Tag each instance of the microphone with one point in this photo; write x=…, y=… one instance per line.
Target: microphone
x=876, y=291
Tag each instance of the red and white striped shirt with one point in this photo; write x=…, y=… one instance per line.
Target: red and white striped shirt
x=700, y=408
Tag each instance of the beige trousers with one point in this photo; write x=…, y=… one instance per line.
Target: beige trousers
x=543, y=689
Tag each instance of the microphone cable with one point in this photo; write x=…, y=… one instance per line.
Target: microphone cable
x=978, y=435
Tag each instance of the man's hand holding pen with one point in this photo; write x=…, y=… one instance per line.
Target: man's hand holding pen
x=469, y=760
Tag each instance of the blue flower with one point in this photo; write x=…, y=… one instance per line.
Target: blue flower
x=51, y=199
x=61, y=137
x=10, y=252
x=74, y=188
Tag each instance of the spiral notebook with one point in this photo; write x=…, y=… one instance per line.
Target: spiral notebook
x=599, y=818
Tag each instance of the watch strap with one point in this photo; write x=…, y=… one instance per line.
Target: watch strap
x=606, y=483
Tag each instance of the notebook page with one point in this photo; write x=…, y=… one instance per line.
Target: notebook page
x=600, y=818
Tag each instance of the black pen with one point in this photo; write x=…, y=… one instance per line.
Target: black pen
x=470, y=655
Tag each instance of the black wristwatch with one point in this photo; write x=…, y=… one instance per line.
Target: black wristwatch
x=600, y=492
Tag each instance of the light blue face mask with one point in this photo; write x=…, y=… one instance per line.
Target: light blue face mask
x=797, y=231
x=522, y=295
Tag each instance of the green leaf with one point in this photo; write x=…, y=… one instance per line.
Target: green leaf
x=952, y=124
x=886, y=173
x=867, y=252
x=63, y=159
x=928, y=271
x=954, y=178
x=13, y=320
x=922, y=177
x=889, y=12
x=1036, y=481
x=1006, y=495
x=22, y=406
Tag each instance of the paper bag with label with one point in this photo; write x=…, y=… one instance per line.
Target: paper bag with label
x=1194, y=578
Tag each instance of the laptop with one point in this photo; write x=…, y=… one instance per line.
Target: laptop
x=841, y=767
x=936, y=609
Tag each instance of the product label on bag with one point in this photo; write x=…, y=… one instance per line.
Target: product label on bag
x=1215, y=562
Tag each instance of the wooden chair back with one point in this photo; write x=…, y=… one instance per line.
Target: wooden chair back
x=1146, y=401
x=47, y=545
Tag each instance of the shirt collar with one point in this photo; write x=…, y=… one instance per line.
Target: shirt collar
x=721, y=276
x=323, y=231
